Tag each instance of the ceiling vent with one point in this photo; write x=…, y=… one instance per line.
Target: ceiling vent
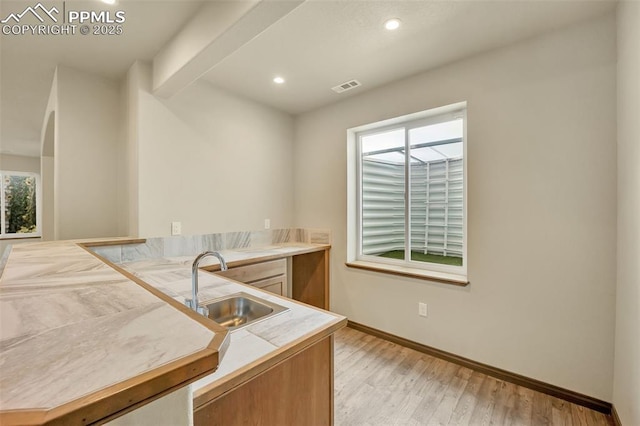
x=346, y=86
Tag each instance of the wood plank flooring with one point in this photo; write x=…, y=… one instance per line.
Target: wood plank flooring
x=380, y=383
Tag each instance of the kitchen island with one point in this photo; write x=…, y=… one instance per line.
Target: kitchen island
x=89, y=358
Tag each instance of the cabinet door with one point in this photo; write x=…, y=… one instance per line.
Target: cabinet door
x=296, y=391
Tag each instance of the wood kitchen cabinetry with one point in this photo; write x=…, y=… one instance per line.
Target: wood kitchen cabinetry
x=310, y=281
x=269, y=276
x=296, y=391
x=309, y=276
x=293, y=386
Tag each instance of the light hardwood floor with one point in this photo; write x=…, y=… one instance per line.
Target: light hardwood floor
x=380, y=383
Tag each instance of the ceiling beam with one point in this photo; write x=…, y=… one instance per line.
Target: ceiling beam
x=217, y=30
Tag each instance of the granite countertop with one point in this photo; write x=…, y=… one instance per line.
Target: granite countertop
x=74, y=332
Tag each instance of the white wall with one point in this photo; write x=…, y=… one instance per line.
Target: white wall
x=19, y=163
x=86, y=155
x=626, y=387
x=211, y=160
x=542, y=226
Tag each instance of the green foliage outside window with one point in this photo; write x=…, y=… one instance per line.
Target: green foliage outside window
x=20, y=204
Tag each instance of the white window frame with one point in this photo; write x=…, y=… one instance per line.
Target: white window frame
x=355, y=257
x=38, y=232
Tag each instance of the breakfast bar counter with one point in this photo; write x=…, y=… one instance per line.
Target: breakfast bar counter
x=85, y=339
x=81, y=343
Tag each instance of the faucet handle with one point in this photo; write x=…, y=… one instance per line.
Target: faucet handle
x=203, y=310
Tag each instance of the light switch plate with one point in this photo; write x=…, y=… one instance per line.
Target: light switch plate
x=267, y=224
x=176, y=228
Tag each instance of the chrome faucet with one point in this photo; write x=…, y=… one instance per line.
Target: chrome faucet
x=193, y=302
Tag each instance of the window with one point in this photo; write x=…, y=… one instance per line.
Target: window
x=19, y=205
x=407, y=207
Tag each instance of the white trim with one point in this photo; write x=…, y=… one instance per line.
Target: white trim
x=464, y=192
x=407, y=198
x=3, y=220
x=352, y=195
x=354, y=191
x=428, y=116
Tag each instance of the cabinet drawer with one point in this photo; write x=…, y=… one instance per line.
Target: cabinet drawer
x=273, y=285
x=249, y=274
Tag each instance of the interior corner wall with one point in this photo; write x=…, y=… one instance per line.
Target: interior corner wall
x=122, y=167
x=626, y=385
x=541, y=208
x=49, y=138
x=211, y=160
x=129, y=156
x=86, y=155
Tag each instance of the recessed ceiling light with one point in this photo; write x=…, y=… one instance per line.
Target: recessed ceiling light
x=109, y=1
x=278, y=80
x=392, y=24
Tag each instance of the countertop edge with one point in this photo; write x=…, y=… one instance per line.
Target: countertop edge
x=122, y=397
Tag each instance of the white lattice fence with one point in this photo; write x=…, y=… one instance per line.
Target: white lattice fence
x=436, y=207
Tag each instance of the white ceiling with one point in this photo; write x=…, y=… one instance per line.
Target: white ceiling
x=320, y=44
x=27, y=62
x=324, y=43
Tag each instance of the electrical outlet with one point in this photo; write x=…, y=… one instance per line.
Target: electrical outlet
x=176, y=228
x=267, y=224
x=422, y=309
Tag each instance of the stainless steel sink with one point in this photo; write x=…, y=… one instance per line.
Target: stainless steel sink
x=241, y=309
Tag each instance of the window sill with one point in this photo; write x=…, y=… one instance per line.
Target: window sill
x=441, y=277
x=13, y=237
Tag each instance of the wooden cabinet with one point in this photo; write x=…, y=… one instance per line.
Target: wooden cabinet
x=296, y=391
x=277, y=285
x=295, y=385
x=269, y=276
x=309, y=276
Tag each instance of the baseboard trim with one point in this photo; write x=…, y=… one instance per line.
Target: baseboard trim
x=615, y=417
x=517, y=379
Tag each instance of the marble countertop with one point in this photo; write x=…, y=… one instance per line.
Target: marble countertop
x=76, y=333
x=258, y=341
x=72, y=327
x=172, y=275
